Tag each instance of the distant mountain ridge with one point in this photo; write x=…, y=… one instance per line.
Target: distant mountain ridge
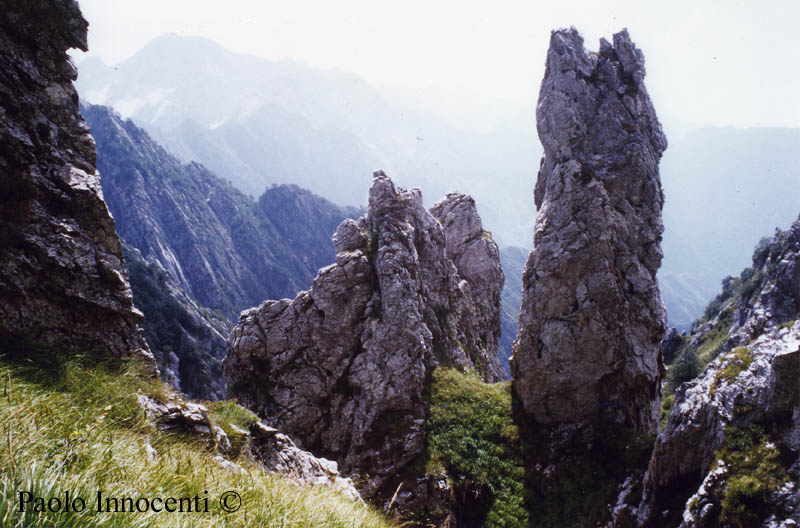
x=257, y=122
x=214, y=250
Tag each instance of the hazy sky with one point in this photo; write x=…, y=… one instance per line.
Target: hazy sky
x=722, y=62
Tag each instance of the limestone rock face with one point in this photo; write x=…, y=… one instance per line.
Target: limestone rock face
x=276, y=452
x=752, y=383
x=591, y=317
x=62, y=277
x=475, y=256
x=754, y=386
x=343, y=368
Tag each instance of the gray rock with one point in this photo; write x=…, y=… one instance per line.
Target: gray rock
x=186, y=416
x=278, y=453
x=683, y=461
x=343, y=367
x=476, y=258
x=591, y=317
x=62, y=278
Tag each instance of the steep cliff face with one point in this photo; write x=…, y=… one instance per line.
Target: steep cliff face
x=201, y=251
x=187, y=339
x=591, y=317
x=62, y=277
x=729, y=451
x=343, y=368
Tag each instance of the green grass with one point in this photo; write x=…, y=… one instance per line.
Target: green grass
x=667, y=403
x=755, y=471
x=233, y=419
x=71, y=424
x=472, y=434
x=740, y=359
x=713, y=341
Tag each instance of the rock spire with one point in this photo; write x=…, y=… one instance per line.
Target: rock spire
x=591, y=317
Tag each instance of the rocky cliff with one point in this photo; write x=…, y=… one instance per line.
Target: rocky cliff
x=591, y=317
x=343, y=368
x=199, y=250
x=62, y=277
x=729, y=453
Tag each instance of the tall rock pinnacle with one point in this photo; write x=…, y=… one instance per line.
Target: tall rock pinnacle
x=343, y=368
x=591, y=317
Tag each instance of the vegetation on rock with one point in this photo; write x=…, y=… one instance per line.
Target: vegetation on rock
x=472, y=434
x=754, y=473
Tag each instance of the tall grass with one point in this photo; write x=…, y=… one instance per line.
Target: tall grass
x=76, y=427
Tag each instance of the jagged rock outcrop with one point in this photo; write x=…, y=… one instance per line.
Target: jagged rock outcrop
x=592, y=318
x=62, y=277
x=730, y=452
x=273, y=450
x=475, y=256
x=343, y=368
x=199, y=251
x=760, y=298
x=276, y=452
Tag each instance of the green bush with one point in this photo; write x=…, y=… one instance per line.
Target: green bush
x=754, y=473
x=740, y=360
x=685, y=368
x=471, y=433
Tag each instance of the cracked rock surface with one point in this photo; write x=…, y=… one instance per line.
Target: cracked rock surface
x=730, y=393
x=343, y=368
x=62, y=278
x=592, y=319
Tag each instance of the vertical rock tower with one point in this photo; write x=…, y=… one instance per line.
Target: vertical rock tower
x=62, y=278
x=592, y=318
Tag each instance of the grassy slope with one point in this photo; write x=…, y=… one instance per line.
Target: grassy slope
x=75, y=425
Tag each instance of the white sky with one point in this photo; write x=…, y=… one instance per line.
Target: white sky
x=722, y=62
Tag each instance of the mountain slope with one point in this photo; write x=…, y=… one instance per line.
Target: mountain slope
x=513, y=261
x=724, y=189
x=728, y=453
x=218, y=250
x=259, y=122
